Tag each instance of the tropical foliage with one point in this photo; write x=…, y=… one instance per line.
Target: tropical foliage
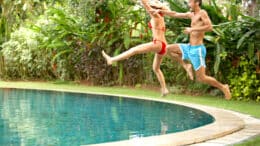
x=62, y=40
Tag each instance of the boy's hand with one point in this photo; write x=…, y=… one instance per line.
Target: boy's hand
x=145, y=1
x=188, y=30
x=191, y=14
x=153, y=12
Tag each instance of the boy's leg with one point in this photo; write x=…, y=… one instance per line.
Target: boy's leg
x=202, y=77
x=176, y=54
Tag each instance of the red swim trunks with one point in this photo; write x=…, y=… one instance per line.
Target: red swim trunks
x=163, y=50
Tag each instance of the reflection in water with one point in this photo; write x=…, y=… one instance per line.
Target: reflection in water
x=24, y=121
x=164, y=127
x=29, y=117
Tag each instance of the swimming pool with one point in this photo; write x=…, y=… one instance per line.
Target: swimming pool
x=36, y=117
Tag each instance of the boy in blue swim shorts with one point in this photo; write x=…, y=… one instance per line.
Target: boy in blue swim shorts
x=195, y=54
x=195, y=51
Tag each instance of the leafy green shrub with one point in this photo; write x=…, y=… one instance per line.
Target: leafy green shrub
x=70, y=46
x=64, y=40
x=22, y=60
x=244, y=81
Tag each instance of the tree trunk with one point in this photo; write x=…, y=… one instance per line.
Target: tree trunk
x=252, y=7
x=257, y=10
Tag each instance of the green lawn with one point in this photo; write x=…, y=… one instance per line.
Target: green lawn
x=252, y=142
x=251, y=108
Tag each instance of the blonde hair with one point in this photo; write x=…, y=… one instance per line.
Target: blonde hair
x=158, y=5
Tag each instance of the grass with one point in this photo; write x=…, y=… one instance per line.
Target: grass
x=250, y=107
x=251, y=142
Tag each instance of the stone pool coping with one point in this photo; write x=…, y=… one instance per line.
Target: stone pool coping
x=225, y=123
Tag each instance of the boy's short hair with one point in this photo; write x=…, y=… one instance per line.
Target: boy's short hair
x=200, y=2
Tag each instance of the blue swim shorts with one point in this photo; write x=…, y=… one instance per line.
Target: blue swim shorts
x=195, y=54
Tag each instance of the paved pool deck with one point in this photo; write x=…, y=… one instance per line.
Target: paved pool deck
x=251, y=129
x=228, y=128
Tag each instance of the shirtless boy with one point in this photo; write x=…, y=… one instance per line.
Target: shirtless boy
x=195, y=51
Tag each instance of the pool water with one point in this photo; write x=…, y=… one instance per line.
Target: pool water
x=35, y=117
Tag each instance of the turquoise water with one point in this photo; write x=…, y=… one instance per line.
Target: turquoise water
x=33, y=117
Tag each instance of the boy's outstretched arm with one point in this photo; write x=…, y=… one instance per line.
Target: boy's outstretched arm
x=170, y=13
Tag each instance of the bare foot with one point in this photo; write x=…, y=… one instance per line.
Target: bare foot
x=165, y=92
x=227, y=92
x=108, y=58
x=188, y=69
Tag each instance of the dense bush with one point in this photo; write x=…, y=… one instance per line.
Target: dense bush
x=244, y=80
x=68, y=46
x=21, y=57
